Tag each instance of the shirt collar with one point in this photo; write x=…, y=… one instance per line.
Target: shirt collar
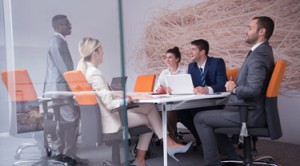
x=179, y=68
x=203, y=64
x=255, y=46
x=60, y=35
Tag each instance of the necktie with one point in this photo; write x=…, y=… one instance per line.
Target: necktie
x=202, y=79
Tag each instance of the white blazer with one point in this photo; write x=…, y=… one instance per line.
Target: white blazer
x=107, y=99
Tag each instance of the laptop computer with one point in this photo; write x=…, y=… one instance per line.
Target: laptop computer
x=116, y=83
x=181, y=84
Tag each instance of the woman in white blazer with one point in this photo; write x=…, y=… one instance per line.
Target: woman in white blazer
x=146, y=114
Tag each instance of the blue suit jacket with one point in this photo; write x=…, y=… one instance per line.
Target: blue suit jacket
x=214, y=73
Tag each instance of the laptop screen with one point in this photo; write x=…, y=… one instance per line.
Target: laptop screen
x=116, y=83
x=181, y=84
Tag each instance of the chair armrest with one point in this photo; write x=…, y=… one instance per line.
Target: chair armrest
x=244, y=108
x=119, y=109
x=129, y=106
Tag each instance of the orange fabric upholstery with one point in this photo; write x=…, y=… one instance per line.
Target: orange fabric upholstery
x=83, y=91
x=24, y=90
x=144, y=83
x=276, y=79
x=232, y=73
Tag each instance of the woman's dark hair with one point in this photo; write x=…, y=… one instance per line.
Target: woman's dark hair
x=176, y=52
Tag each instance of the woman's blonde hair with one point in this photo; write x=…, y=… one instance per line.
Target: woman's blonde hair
x=86, y=47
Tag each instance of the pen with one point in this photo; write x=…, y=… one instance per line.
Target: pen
x=230, y=78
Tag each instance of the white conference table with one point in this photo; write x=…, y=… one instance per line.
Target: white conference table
x=166, y=103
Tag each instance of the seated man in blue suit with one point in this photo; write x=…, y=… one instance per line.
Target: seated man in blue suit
x=208, y=76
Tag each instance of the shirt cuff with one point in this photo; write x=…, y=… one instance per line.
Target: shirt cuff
x=210, y=90
x=122, y=102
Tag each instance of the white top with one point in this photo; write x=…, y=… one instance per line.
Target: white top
x=162, y=79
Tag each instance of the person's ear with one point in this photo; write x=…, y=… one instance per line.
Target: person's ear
x=94, y=54
x=262, y=32
x=203, y=52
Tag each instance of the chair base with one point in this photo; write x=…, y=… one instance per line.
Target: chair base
x=40, y=162
x=22, y=147
x=261, y=160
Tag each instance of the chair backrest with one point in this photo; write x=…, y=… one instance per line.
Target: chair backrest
x=90, y=115
x=272, y=114
x=25, y=116
x=83, y=91
x=23, y=89
x=231, y=74
x=144, y=83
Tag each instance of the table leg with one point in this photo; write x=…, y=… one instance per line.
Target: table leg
x=164, y=123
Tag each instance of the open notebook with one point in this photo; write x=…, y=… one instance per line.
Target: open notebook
x=181, y=84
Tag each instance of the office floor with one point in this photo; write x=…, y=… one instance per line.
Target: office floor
x=283, y=153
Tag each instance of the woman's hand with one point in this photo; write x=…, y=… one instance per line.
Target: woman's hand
x=161, y=90
x=168, y=90
x=129, y=99
x=140, y=96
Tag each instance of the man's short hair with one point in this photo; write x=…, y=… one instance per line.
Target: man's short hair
x=201, y=45
x=56, y=20
x=267, y=23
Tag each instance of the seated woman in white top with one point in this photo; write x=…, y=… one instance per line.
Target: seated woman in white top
x=146, y=114
x=173, y=57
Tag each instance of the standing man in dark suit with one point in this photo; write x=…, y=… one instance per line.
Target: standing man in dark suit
x=250, y=87
x=59, y=60
x=208, y=76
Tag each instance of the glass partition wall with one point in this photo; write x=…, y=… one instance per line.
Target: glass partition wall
x=30, y=35
x=3, y=65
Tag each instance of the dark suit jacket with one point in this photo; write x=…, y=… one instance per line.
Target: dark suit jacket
x=252, y=82
x=214, y=73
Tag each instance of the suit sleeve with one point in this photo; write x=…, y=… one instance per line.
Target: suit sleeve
x=56, y=52
x=221, y=78
x=255, y=80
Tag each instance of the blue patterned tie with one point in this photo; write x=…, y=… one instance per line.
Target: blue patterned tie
x=202, y=79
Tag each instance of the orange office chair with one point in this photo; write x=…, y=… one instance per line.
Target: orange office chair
x=273, y=128
x=91, y=125
x=231, y=74
x=26, y=116
x=144, y=83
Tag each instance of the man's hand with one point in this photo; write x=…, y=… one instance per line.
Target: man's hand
x=201, y=90
x=230, y=85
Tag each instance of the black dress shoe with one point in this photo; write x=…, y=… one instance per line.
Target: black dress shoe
x=58, y=157
x=70, y=161
x=232, y=164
